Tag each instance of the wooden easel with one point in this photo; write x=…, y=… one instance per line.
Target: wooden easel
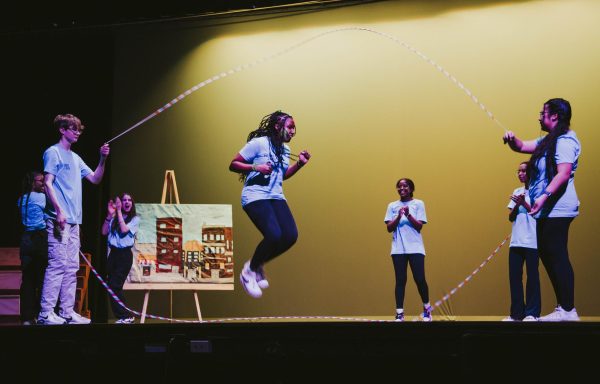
x=170, y=189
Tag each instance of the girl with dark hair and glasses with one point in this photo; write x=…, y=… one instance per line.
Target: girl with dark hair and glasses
x=405, y=218
x=551, y=172
x=263, y=164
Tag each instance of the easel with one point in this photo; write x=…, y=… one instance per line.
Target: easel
x=170, y=188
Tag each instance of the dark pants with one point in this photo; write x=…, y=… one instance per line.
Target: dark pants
x=34, y=259
x=118, y=266
x=532, y=304
x=417, y=266
x=274, y=220
x=552, y=239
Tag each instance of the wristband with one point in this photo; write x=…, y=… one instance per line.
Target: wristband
x=254, y=167
x=547, y=193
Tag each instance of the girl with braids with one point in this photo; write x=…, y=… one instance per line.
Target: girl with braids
x=34, y=245
x=264, y=162
x=551, y=173
x=121, y=225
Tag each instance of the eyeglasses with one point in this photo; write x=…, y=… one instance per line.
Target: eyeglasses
x=75, y=129
x=545, y=113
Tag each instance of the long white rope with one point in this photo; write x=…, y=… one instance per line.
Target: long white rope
x=244, y=67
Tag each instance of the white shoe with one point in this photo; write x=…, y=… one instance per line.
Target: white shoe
x=126, y=320
x=261, y=279
x=560, y=314
x=248, y=280
x=508, y=318
x=75, y=318
x=50, y=318
x=530, y=318
x=426, y=315
x=556, y=315
x=570, y=315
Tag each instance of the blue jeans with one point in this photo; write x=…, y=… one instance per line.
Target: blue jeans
x=274, y=220
x=532, y=304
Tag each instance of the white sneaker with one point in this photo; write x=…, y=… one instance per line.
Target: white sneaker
x=508, y=318
x=50, y=318
x=126, y=320
x=426, y=315
x=570, y=315
x=560, y=314
x=261, y=279
x=75, y=318
x=248, y=279
x=530, y=318
x=556, y=315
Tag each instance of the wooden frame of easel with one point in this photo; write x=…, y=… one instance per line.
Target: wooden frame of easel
x=170, y=190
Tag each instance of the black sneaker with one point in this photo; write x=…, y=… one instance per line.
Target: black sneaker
x=399, y=317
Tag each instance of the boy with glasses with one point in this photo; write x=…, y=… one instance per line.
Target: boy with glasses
x=63, y=171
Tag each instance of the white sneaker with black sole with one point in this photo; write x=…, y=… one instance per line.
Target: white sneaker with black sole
x=75, y=318
x=50, y=318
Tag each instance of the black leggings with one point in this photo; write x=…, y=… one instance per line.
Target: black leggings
x=274, y=220
x=417, y=266
x=552, y=239
x=118, y=267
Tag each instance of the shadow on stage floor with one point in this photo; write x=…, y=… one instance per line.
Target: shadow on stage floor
x=303, y=352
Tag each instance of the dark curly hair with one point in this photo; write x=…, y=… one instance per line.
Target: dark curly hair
x=267, y=127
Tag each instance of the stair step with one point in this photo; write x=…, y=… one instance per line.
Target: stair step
x=10, y=280
x=9, y=305
x=9, y=257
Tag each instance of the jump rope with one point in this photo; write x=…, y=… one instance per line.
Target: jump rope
x=263, y=60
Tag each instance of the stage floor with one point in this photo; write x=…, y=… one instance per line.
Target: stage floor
x=310, y=350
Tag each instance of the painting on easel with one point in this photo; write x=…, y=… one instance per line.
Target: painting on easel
x=183, y=243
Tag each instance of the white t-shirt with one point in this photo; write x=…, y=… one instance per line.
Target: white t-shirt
x=406, y=239
x=523, y=228
x=263, y=187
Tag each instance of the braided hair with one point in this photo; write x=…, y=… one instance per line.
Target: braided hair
x=547, y=147
x=267, y=127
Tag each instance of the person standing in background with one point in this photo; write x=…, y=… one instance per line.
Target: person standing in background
x=405, y=218
x=33, y=250
x=523, y=249
x=121, y=225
